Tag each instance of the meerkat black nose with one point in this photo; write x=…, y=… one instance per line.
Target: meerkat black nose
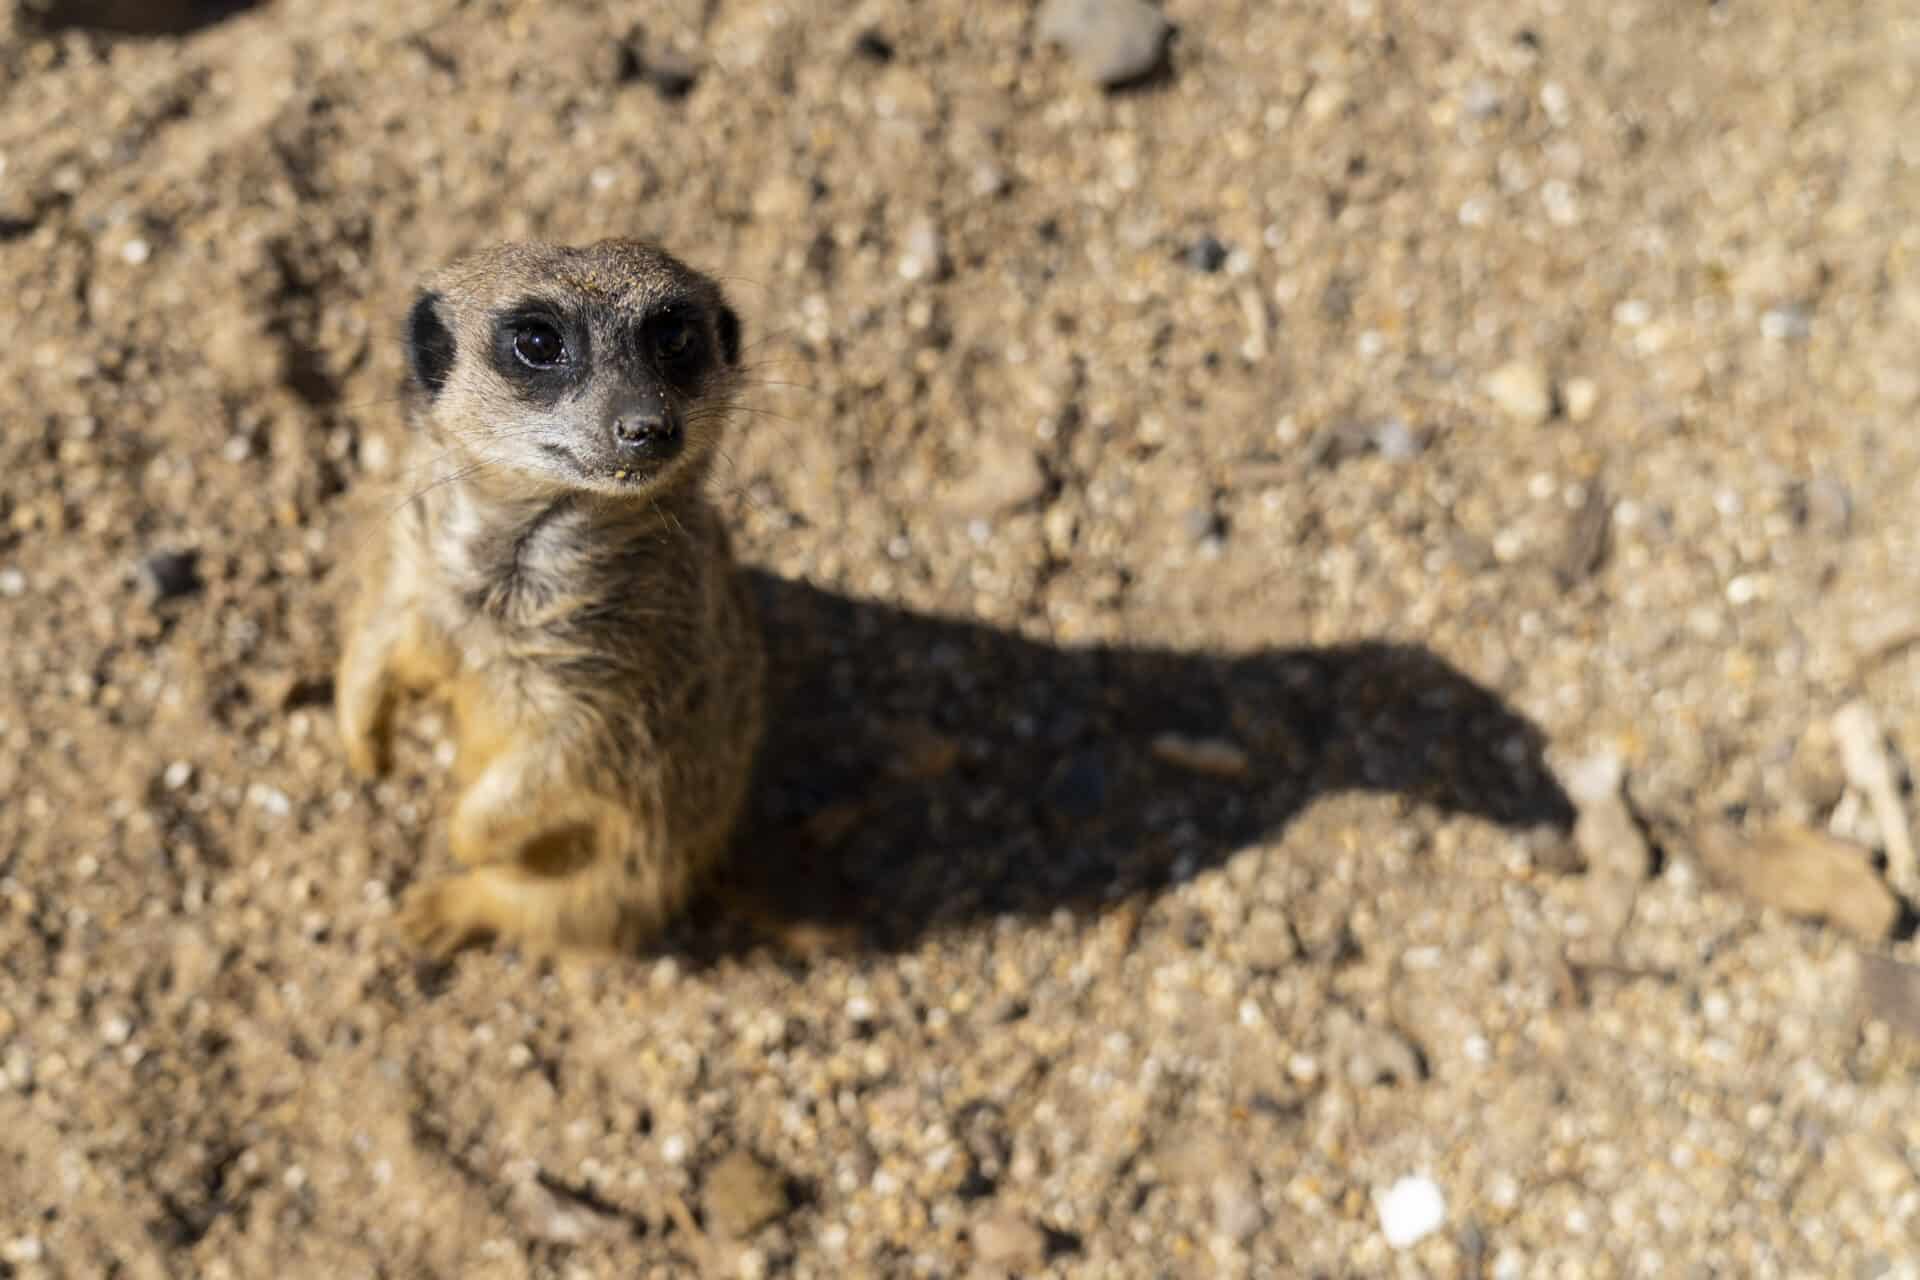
x=650, y=431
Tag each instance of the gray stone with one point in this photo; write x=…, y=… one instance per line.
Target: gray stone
x=1113, y=41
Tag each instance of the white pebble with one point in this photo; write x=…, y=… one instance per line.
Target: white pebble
x=924, y=250
x=1562, y=206
x=1555, y=99
x=1410, y=1210
x=178, y=775
x=12, y=582
x=673, y=1148
x=116, y=1030
x=1522, y=389
x=22, y=1250
x=1582, y=396
x=269, y=800
x=135, y=252
x=1784, y=324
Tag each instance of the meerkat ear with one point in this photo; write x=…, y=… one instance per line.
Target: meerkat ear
x=727, y=323
x=430, y=344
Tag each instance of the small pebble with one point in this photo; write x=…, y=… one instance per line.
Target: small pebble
x=1582, y=396
x=1396, y=441
x=12, y=582
x=1863, y=756
x=135, y=252
x=1206, y=255
x=1114, y=42
x=1215, y=757
x=924, y=251
x=1802, y=872
x=22, y=1250
x=544, y=1215
x=269, y=800
x=1410, y=1210
x=1006, y=474
x=1203, y=523
x=1521, y=389
x=1237, y=1212
x=1890, y=991
x=873, y=46
x=171, y=574
x=1786, y=324
x=672, y=75
x=1829, y=507
x=742, y=1193
x=1006, y=1239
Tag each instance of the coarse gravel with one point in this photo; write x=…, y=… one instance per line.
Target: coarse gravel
x=1207, y=527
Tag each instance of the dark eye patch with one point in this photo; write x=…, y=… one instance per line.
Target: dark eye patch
x=540, y=351
x=675, y=339
x=430, y=344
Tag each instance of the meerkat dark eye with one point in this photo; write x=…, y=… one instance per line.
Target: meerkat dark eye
x=674, y=337
x=538, y=345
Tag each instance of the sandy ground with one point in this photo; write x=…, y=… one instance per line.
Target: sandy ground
x=1214, y=535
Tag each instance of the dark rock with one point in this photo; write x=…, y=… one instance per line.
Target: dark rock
x=669, y=73
x=171, y=574
x=1206, y=254
x=873, y=46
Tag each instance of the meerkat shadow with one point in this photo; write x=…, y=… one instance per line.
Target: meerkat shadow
x=923, y=773
x=130, y=17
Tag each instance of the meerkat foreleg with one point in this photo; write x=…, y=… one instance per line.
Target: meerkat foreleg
x=392, y=649
x=364, y=690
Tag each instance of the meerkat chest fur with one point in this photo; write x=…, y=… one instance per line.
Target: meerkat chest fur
x=562, y=578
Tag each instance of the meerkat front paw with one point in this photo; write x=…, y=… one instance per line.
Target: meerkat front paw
x=446, y=916
x=368, y=749
x=362, y=701
x=576, y=913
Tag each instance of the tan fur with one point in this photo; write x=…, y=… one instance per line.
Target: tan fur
x=590, y=633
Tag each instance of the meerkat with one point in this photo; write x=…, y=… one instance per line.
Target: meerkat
x=559, y=575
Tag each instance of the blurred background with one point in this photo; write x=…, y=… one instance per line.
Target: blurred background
x=1344, y=584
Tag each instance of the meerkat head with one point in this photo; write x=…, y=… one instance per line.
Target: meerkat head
x=608, y=368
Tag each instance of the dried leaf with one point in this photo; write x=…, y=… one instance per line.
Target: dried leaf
x=1801, y=872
